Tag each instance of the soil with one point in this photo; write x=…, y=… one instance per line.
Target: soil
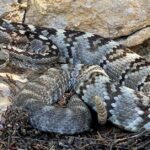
x=18, y=134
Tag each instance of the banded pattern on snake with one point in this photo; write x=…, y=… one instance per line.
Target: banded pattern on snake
x=108, y=77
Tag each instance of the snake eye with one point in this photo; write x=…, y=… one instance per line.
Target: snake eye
x=4, y=58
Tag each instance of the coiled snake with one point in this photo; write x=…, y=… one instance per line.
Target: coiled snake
x=102, y=74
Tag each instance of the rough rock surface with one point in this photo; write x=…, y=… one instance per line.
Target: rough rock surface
x=6, y=5
x=13, y=9
x=143, y=49
x=108, y=18
x=137, y=38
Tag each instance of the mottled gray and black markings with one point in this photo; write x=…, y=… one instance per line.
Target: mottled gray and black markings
x=135, y=66
x=70, y=40
x=26, y=38
x=126, y=108
x=96, y=41
x=25, y=46
x=88, y=82
x=96, y=82
x=110, y=56
x=144, y=106
x=113, y=91
x=128, y=68
x=147, y=78
x=48, y=88
x=4, y=58
x=95, y=50
x=144, y=83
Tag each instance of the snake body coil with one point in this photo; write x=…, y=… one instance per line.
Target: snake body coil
x=94, y=67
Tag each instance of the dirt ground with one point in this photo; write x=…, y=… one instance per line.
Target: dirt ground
x=19, y=135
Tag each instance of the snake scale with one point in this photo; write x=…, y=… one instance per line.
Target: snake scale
x=102, y=74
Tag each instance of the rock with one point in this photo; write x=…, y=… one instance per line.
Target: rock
x=10, y=84
x=137, y=38
x=6, y=5
x=109, y=18
x=12, y=10
x=143, y=49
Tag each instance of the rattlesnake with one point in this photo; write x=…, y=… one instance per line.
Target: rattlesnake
x=109, y=78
